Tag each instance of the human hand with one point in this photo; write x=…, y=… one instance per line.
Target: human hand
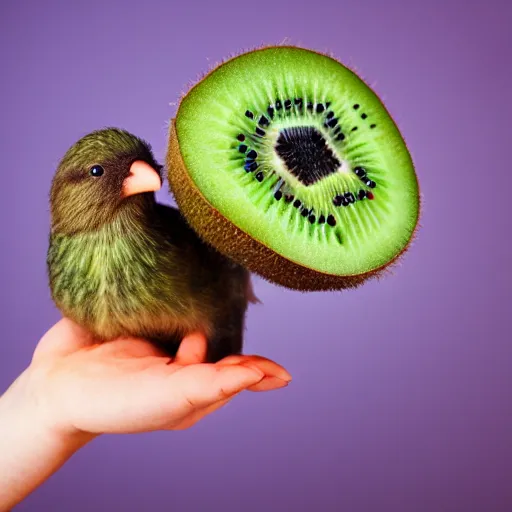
x=129, y=385
x=75, y=389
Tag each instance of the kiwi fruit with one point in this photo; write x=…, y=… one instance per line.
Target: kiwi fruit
x=286, y=161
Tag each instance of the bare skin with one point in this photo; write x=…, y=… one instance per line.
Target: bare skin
x=76, y=389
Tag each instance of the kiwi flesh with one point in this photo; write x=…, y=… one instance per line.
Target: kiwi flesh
x=286, y=161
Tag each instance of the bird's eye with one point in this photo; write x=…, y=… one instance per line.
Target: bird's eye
x=96, y=171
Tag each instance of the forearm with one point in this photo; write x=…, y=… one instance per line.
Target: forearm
x=30, y=449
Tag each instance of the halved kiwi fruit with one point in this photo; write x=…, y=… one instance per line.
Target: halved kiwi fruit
x=287, y=162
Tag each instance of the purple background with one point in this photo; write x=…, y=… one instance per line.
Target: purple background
x=401, y=398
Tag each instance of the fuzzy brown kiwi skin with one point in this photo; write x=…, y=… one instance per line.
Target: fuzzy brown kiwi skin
x=218, y=231
x=215, y=229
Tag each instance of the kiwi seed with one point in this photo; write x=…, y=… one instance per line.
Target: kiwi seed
x=286, y=161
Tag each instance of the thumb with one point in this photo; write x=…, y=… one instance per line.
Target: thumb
x=204, y=384
x=65, y=337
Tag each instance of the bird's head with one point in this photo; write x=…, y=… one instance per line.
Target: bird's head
x=105, y=173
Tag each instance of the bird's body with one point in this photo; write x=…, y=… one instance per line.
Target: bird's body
x=141, y=271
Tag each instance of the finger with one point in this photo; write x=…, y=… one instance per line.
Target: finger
x=192, y=349
x=268, y=367
x=63, y=338
x=202, y=385
x=199, y=414
x=269, y=384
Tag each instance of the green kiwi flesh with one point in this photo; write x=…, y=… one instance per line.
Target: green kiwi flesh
x=297, y=159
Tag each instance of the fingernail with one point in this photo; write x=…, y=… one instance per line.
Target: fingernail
x=278, y=381
x=283, y=376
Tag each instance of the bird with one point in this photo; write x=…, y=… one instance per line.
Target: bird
x=121, y=264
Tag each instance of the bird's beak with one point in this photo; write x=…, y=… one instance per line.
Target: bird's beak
x=142, y=178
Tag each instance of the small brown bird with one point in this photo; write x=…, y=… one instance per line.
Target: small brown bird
x=121, y=264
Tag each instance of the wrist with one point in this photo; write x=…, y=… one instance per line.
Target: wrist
x=31, y=446
x=27, y=409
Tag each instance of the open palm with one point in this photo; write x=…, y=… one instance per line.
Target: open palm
x=128, y=385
